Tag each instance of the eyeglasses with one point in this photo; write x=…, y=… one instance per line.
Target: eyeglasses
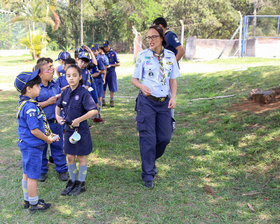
x=152, y=37
x=48, y=70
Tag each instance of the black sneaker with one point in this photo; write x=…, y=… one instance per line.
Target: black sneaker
x=40, y=206
x=79, y=188
x=63, y=176
x=149, y=184
x=69, y=187
x=43, y=177
x=26, y=204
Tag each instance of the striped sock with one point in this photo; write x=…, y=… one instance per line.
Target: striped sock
x=82, y=173
x=33, y=200
x=24, y=189
x=72, y=169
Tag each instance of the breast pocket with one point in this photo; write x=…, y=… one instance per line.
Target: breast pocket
x=168, y=69
x=150, y=71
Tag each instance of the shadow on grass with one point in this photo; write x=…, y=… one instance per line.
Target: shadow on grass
x=232, y=152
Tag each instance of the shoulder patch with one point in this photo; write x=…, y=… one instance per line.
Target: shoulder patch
x=30, y=111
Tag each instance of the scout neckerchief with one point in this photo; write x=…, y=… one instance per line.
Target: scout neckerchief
x=162, y=73
x=46, y=123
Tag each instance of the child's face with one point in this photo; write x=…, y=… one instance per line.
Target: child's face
x=33, y=91
x=61, y=62
x=107, y=48
x=47, y=72
x=95, y=52
x=82, y=64
x=73, y=77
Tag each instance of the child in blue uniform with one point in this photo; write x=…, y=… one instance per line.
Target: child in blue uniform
x=61, y=81
x=47, y=98
x=78, y=106
x=62, y=57
x=111, y=76
x=83, y=61
x=97, y=73
x=32, y=131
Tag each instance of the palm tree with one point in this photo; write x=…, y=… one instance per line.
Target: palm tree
x=32, y=11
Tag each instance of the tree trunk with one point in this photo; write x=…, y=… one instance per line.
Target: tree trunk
x=82, y=27
x=255, y=17
x=31, y=44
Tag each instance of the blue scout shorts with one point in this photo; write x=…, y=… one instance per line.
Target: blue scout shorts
x=31, y=159
x=111, y=81
x=99, y=86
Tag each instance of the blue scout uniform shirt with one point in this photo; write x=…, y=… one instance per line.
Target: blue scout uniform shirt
x=148, y=69
x=105, y=59
x=76, y=103
x=86, y=77
x=61, y=81
x=52, y=89
x=113, y=59
x=172, y=41
x=100, y=66
x=60, y=69
x=30, y=118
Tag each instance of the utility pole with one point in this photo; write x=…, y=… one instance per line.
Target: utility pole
x=82, y=26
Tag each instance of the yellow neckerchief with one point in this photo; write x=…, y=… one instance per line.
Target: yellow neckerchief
x=162, y=72
x=166, y=31
x=46, y=123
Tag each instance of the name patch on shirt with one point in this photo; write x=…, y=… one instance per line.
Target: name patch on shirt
x=169, y=63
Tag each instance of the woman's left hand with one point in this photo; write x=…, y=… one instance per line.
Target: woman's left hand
x=172, y=103
x=76, y=123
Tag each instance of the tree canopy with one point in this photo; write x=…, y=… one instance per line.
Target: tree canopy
x=113, y=19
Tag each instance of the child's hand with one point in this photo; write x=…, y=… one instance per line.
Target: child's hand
x=49, y=140
x=76, y=122
x=87, y=48
x=52, y=100
x=60, y=120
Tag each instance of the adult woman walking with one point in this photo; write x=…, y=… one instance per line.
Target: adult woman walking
x=158, y=70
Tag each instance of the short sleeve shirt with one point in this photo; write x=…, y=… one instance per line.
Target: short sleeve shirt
x=113, y=59
x=30, y=118
x=86, y=77
x=76, y=103
x=61, y=81
x=60, y=69
x=148, y=70
x=172, y=41
x=52, y=89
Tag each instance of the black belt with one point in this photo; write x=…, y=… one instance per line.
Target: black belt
x=158, y=99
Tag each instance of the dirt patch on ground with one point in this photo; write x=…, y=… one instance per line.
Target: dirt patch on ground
x=256, y=108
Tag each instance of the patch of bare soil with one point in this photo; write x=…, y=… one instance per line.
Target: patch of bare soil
x=256, y=108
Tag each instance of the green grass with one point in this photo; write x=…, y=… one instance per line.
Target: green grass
x=233, y=152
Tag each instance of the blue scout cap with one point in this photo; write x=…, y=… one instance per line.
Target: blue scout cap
x=23, y=78
x=106, y=43
x=84, y=55
x=94, y=47
x=63, y=55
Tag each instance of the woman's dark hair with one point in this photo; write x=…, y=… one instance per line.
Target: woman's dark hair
x=160, y=32
x=48, y=60
x=31, y=83
x=79, y=71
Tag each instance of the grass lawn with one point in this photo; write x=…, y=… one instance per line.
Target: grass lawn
x=222, y=165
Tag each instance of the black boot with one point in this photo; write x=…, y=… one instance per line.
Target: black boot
x=69, y=187
x=79, y=188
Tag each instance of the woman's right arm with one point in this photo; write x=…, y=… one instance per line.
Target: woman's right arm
x=145, y=90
